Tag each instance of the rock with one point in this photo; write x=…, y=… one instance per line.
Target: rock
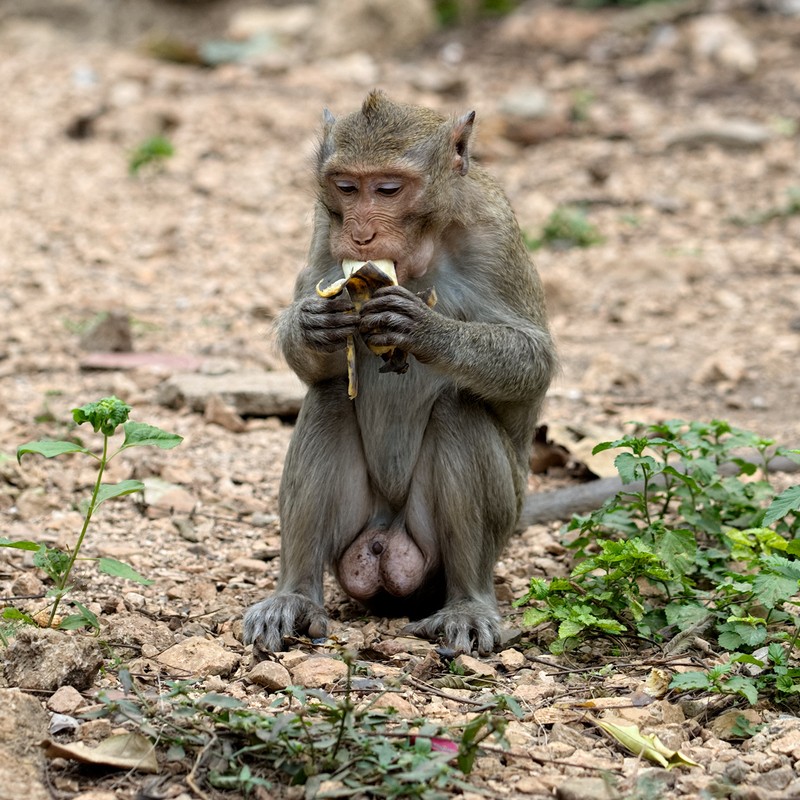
x=318, y=673
x=127, y=361
x=775, y=780
x=473, y=666
x=110, y=333
x=403, y=707
x=403, y=644
x=720, y=39
x=291, y=22
x=66, y=700
x=270, y=675
x=721, y=368
x=513, y=660
x=732, y=134
x=220, y=413
x=45, y=659
x=23, y=724
x=788, y=745
x=199, y=657
x=529, y=103
x=585, y=789
x=27, y=584
x=352, y=25
x=168, y=497
x=567, y=735
x=251, y=394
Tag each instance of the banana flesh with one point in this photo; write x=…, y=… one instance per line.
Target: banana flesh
x=362, y=279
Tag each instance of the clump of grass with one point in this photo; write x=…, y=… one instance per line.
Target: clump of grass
x=152, y=151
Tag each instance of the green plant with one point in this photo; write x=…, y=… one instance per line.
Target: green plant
x=105, y=416
x=566, y=227
x=331, y=747
x=789, y=209
x=154, y=150
x=695, y=537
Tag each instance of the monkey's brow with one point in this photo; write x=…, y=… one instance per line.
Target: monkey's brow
x=342, y=171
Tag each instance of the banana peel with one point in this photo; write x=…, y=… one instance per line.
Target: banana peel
x=361, y=279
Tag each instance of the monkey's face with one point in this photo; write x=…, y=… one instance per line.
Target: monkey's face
x=374, y=215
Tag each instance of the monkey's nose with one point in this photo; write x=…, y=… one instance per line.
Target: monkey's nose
x=362, y=238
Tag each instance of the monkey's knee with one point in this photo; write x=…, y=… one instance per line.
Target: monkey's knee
x=381, y=559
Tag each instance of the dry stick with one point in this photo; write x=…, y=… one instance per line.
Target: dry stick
x=563, y=503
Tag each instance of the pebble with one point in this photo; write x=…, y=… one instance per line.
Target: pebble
x=270, y=675
x=199, y=657
x=65, y=700
x=319, y=673
x=730, y=134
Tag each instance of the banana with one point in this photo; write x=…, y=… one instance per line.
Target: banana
x=362, y=279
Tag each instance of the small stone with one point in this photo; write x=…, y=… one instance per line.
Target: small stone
x=318, y=673
x=292, y=658
x=403, y=707
x=254, y=566
x=110, y=333
x=530, y=103
x=270, y=675
x=66, y=700
x=721, y=368
x=585, y=789
x=199, y=657
x=788, y=745
x=776, y=780
x=473, y=666
x=167, y=497
x=730, y=134
x=513, y=660
x=27, y=585
x=218, y=412
x=719, y=38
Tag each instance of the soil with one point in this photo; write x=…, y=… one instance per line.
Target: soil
x=688, y=308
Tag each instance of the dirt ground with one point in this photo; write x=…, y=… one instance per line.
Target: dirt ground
x=684, y=154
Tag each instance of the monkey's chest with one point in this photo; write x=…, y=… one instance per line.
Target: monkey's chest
x=393, y=412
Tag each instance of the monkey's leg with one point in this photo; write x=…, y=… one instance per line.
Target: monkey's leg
x=325, y=500
x=465, y=493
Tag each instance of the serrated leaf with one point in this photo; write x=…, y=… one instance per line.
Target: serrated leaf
x=744, y=687
x=139, y=434
x=50, y=449
x=105, y=416
x=677, y=549
x=687, y=681
x=109, y=490
x=121, y=570
x=568, y=628
x=771, y=589
x=787, y=502
x=534, y=616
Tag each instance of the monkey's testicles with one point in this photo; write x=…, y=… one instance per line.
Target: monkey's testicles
x=362, y=279
x=381, y=559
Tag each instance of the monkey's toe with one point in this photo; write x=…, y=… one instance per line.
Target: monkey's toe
x=269, y=622
x=463, y=627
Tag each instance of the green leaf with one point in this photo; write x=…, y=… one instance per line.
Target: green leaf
x=569, y=628
x=742, y=686
x=139, y=434
x=787, y=502
x=50, y=449
x=15, y=615
x=121, y=570
x=677, y=549
x=109, y=490
x=213, y=699
x=83, y=619
x=771, y=589
x=534, y=616
x=686, y=681
x=21, y=545
x=105, y=416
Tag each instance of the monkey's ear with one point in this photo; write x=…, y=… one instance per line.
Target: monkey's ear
x=459, y=136
x=327, y=118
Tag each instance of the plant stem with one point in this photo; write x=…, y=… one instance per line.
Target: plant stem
x=62, y=582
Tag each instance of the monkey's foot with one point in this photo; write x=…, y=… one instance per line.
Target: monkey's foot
x=268, y=622
x=462, y=626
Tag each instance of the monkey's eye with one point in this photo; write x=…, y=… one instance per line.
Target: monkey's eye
x=389, y=189
x=346, y=187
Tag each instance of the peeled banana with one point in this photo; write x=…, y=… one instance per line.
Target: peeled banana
x=362, y=279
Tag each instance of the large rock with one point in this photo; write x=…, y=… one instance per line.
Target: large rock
x=250, y=394
x=23, y=724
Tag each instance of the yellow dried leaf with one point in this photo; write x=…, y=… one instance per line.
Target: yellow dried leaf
x=122, y=750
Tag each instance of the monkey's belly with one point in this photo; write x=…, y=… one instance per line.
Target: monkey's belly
x=381, y=559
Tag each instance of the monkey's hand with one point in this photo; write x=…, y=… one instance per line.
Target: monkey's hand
x=396, y=317
x=267, y=623
x=326, y=324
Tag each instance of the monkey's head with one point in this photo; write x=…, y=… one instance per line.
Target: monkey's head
x=391, y=176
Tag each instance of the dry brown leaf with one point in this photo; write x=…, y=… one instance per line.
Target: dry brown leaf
x=123, y=750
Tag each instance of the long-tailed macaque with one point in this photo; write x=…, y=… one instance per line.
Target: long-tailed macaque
x=409, y=491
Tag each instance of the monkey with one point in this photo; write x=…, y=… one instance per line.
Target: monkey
x=408, y=492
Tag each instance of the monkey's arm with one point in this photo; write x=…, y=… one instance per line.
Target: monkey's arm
x=505, y=361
